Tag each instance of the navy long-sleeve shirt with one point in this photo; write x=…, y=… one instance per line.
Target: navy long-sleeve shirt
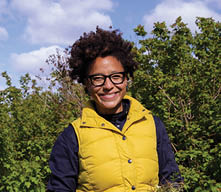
x=64, y=163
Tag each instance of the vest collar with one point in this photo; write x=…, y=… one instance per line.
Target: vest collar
x=90, y=118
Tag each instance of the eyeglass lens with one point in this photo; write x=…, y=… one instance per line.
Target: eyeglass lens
x=99, y=80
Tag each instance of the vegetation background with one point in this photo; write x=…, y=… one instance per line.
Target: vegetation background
x=179, y=80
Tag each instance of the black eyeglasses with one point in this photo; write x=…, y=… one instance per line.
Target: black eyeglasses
x=99, y=79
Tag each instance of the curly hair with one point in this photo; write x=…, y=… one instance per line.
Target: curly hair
x=100, y=44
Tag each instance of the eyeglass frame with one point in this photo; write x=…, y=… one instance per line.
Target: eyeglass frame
x=107, y=76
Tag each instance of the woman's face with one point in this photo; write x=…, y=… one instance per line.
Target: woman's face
x=108, y=96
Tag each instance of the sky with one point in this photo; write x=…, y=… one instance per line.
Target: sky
x=30, y=31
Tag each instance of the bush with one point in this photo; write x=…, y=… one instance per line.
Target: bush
x=179, y=79
x=30, y=121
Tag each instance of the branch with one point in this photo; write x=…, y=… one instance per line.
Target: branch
x=174, y=147
x=171, y=101
x=218, y=92
x=182, y=103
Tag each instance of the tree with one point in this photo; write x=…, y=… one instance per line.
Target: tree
x=179, y=79
x=31, y=118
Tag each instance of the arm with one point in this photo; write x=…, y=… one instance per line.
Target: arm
x=63, y=162
x=168, y=169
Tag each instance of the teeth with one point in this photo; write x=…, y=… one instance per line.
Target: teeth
x=108, y=95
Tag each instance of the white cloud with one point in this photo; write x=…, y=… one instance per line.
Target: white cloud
x=3, y=34
x=61, y=21
x=31, y=62
x=169, y=10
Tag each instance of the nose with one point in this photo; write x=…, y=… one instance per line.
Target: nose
x=108, y=84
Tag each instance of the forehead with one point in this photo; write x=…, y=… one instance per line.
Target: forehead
x=105, y=65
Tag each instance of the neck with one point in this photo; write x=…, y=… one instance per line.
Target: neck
x=107, y=111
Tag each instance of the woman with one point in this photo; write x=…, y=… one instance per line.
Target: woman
x=116, y=144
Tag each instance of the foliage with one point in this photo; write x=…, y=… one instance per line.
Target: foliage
x=179, y=79
x=30, y=121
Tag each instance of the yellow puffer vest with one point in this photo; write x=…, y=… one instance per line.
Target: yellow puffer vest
x=111, y=160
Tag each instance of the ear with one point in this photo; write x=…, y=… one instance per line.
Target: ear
x=86, y=86
x=127, y=79
x=85, y=82
x=129, y=83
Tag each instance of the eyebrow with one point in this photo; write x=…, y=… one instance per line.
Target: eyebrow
x=113, y=72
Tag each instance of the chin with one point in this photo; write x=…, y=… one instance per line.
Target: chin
x=109, y=107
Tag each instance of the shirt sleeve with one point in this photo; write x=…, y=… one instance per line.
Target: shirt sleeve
x=168, y=168
x=64, y=163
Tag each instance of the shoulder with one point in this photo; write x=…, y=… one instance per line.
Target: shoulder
x=68, y=132
x=67, y=137
x=160, y=129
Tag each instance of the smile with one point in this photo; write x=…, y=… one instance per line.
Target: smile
x=108, y=96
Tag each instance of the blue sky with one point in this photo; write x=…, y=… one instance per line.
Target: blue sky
x=31, y=30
